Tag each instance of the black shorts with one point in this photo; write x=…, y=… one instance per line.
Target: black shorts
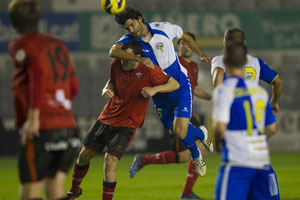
x=43, y=156
x=113, y=140
x=176, y=145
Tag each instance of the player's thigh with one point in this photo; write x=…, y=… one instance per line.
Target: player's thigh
x=55, y=187
x=33, y=161
x=118, y=140
x=96, y=137
x=230, y=180
x=31, y=190
x=180, y=126
x=265, y=185
x=165, y=111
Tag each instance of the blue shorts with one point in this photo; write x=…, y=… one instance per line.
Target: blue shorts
x=175, y=104
x=249, y=182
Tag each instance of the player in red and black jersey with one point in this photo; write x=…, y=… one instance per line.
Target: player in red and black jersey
x=178, y=152
x=44, y=84
x=129, y=88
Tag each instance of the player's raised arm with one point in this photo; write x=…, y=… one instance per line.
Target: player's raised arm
x=116, y=51
x=193, y=45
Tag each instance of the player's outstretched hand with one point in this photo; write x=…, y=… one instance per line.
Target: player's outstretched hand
x=107, y=93
x=148, y=92
x=146, y=61
x=206, y=58
x=29, y=130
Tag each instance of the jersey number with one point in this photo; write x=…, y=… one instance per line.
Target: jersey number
x=259, y=110
x=58, y=58
x=159, y=112
x=250, y=70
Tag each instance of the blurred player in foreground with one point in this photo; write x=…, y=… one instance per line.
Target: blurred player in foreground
x=243, y=121
x=129, y=88
x=254, y=69
x=174, y=109
x=179, y=152
x=44, y=83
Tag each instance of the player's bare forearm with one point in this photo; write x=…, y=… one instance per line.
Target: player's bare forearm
x=277, y=90
x=193, y=45
x=170, y=86
x=30, y=128
x=218, y=76
x=116, y=51
x=219, y=131
x=201, y=93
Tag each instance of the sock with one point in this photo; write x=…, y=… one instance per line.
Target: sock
x=189, y=142
x=190, y=179
x=108, y=190
x=196, y=132
x=79, y=173
x=165, y=157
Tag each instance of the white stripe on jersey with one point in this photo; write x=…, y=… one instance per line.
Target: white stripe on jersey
x=225, y=182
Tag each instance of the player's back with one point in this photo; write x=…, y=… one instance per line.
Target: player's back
x=245, y=105
x=44, y=58
x=254, y=68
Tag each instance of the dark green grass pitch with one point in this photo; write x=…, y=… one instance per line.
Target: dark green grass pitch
x=161, y=182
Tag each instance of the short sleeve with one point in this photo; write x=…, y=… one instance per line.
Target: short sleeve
x=270, y=117
x=172, y=30
x=266, y=73
x=221, y=104
x=125, y=38
x=217, y=62
x=158, y=76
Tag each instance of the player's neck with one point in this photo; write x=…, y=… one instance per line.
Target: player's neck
x=187, y=59
x=145, y=30
x=235, y=72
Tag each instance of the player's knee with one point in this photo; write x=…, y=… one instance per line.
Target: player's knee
x=180, y=131
x=85, y=156
x=184, y=156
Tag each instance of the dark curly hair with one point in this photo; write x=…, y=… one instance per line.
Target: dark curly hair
x=128, y=13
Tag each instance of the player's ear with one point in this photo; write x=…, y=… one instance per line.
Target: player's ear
x=224, y=43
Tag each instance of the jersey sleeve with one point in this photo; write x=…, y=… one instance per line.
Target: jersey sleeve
x=221, y=105
x=266, y=73
x=270, y=117
x=112, y=71
x=172, y=30
x=36, y=75
x=125, y=38
x=217, y=62
x=158, y=76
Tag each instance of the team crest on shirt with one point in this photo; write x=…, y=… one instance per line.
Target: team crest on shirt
x=139, y=74
x=159, y=46
x=20, y=55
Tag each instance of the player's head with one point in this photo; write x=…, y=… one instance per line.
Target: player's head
x=235, y=55
x=132, y=20
x=234, y=35
x=132, y=47
x=24, y=15
x=183, y=49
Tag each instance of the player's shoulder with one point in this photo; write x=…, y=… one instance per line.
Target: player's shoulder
x=252, y=60
x=218, y=61
x=160, y=25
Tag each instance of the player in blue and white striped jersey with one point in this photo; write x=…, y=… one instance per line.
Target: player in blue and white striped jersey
x=243, y=120
x=254, y=69
x=175, y=107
